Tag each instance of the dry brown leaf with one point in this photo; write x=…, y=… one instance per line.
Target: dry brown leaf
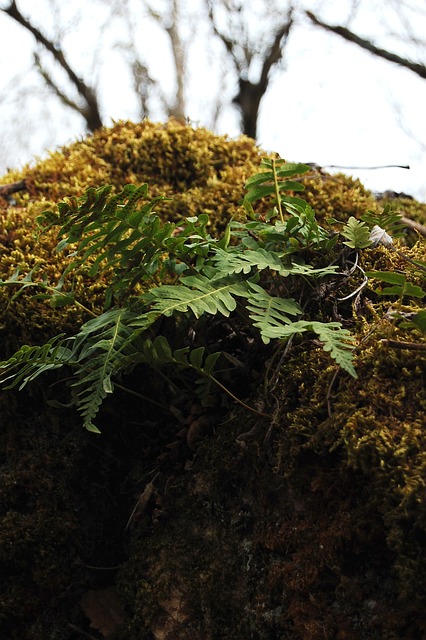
x=104, y=610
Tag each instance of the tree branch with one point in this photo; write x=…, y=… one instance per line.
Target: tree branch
x=91, y=112
x=251, y=93
x=348, y=35
x=7, y=189
x=275, y=53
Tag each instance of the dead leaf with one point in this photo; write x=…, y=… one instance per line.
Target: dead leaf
x=104, y=610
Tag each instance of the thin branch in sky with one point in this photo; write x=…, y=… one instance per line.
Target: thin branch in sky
x=91, y=109
x=346, y=34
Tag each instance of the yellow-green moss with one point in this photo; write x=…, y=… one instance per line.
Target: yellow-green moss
x=200, y=171
x=311, y=526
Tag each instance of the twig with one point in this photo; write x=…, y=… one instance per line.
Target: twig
x=420, y=228
x=380, y=166
x=7, y=189
x=81, y=632
x=411, y=346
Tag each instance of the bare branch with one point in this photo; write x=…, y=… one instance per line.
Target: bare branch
x=178, y=109
x=7, y=189
x=348, y=35
x=171, y=27
x=241, y=53
x=91, y=111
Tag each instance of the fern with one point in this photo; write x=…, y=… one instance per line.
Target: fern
x=102, y=350
x=269, y=312
x=121, y=236
x=198, y=294
x=31, y=361
x=388, y=219
x=158, y=353
x=270, y=182
x=237, y=261
x=335, y=340
x=357, y=234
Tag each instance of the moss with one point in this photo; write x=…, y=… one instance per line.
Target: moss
x=306, y=526
x=337, y=196
x=407, y=207
x=200, y=171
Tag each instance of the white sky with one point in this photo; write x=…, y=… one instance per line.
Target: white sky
x=334, y=104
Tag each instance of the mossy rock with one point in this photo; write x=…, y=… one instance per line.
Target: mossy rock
x=304, y=525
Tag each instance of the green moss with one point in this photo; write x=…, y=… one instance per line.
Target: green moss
x=200, y=171
x=306, y=526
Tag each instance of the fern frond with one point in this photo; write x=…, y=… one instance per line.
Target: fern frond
x=103, y=347
x=388, y=219
x=336, y=340
x=269, y=312
x=357, y=234
x=198, y=294
x=264, y=183
x=237, y=261
x=118, y=233
x=158, y=353
x=29, y=362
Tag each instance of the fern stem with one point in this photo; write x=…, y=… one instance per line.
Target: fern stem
x=240, y=402
x=277, y=191
x=86, y=309
x=141, y=396
x=402, y=255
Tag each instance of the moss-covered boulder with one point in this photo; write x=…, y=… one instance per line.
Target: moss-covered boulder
x=208, y=523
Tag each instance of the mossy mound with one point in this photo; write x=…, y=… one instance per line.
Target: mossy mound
x=212, y=523
x=200, y=172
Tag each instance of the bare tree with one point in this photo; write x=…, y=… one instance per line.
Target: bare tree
x=367, y=45
x=169, y=20
x=88, y=106
x=253, y=55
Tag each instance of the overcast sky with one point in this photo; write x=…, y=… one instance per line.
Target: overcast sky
x=334, y=105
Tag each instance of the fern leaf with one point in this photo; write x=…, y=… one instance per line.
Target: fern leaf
x=268, y=311
x=29, y=362
x=158, y=353
x=388, y=219
x=198, y=294
x=103, y=344
x=336, y=340
x=357, y=234
x=118, y=233
x=235, y=262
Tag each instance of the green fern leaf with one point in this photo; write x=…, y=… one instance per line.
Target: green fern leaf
x=336, y=340
x=116, y=233
x=388, y=219
x=29, y=362
x=103, y=347
x=237, y=261
x=357, y=234
x=198, y=294
x=269, y=312
x=158, y=353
